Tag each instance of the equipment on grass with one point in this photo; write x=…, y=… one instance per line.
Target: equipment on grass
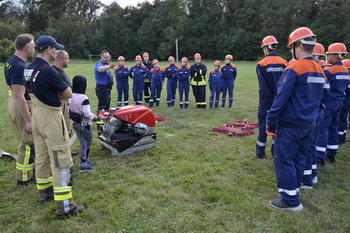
x=2, y=152
x=246, y=128
x=127, y=129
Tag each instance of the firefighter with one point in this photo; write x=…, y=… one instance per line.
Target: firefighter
x=343, y=119
x=122, y=78
x=269, y=71
x=171, y=73
x=147, y=89
x=229, y=73
x=19, y=108
x=310, y=171
x=61, y=63
x=215, y=84
x=328, y=139
x=198, y=81
x=104, y=81
x=54, y=163
x=184, y=82
x=138, y=73
x=157, y=80
x=291, y=117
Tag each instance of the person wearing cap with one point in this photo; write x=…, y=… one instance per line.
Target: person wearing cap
x=171, y=72
x=147, y=89
x=104, y=81
x=19, y=108
x=215, y=84
x=54, y=163
x=184, y=82
x=343, y=118
x=310, y=171
x=327, y=141
x=157, y=80
x=122, y=78
x=269, y=71
x=229, y=73
x=292, y=116
x=198, y=81
x=61, y=63
x=138, y=73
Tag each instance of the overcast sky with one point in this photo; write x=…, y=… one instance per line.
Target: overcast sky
x=123, y=3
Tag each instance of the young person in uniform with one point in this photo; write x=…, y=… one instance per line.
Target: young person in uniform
x=157, y=80
x=184, y=82
x=229, y=73
x=122, y=78
x=292, y=115
x=198, y=81
x=138, y=73
x=147, y=89
x=171, y=72
x=215, y=84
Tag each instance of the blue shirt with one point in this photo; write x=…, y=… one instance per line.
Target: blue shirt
x=229, y=72
x=299, y=93
x=184, y=74
x=269, y=71
x=103, y=78
x=157, y=76
x=139, y=73
x=121, y=73
x=215, y=78
x=45, y=82
x=338, y=78
x=13, y=70
x=171, y=72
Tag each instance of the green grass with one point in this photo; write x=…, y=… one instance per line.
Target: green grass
x=192, y=180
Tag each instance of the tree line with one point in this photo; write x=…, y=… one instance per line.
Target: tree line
x=213, y=28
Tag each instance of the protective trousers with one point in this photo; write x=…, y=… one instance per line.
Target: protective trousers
x=310, y=171
x=65, y=111
x=156, y=90
x=227, y=85
x=327, y=138
x=214, y=92
x=199, y=95
x=184, y=89
x=103, y=93
x=171, y=91
x=137, y=90
x=147, y=90
x=290, y=152
x=265, y=103
x=343, y=119
x=26, y=152
x=54, y=163
x=123, y=87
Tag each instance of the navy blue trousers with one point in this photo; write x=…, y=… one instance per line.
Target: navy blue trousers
x=123, y=88
x=184, y=89
x=215, y=92
x=103, y=93
x=137, y=90
x=227, y=86
x=265, y=104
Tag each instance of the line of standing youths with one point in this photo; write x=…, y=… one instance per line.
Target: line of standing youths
x=299, y=105
x=148, y=80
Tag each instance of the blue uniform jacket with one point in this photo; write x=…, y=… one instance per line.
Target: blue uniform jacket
x=299, y=93
x=215, y=78
x=269, y=71
x=338, y=78
x=229, y=72
x=171, y=72
x=121, y=73
x=157, y=76
x=184, y=73
x=139, y=73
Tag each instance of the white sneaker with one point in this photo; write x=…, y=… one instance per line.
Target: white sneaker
x=279, y=204
x=303, y=186
x=314, y=180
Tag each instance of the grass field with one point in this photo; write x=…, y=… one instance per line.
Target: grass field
x=192, y=180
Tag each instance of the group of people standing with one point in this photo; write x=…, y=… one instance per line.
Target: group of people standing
x=148, y=80
x=299, y=105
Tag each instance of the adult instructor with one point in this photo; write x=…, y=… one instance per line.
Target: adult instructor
x=54, y=163
x=104, y=81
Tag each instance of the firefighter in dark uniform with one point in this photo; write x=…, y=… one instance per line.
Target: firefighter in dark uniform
x=54, y=163
x=198, y=81
x=269, y=71
x=122, y=77
x=147, y=88
x=19, y=108
x=171, y=73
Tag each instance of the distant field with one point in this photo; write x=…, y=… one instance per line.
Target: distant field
x=192, y=180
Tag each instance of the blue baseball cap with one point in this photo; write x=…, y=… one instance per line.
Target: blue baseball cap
x=43, y=42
